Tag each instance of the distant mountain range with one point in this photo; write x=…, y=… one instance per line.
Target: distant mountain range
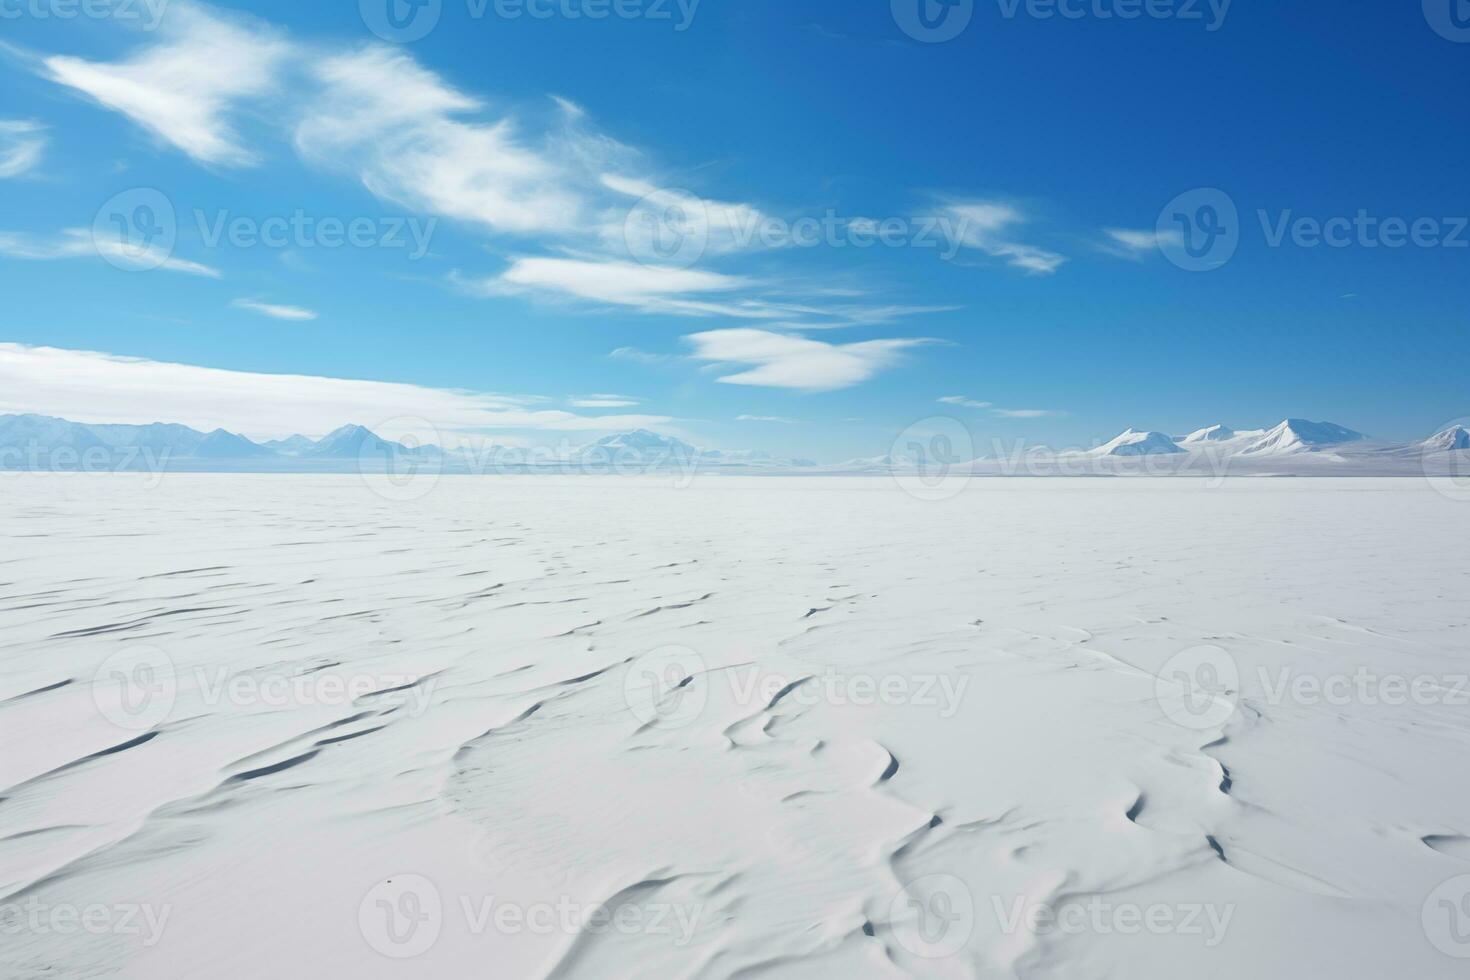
x=39, y=442
x=43, y=434
x=1290, y=437
x=1293, y=447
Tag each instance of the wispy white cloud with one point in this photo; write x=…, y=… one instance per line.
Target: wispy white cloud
x=639, y=356
x=1128, y=243
x=79, y=243
x=1037, y=261
x=677, y=291
x=186, y=87
x=372, y=112
x=652, y=222
x=964, y=401
x=604, y=401
x=856, y=315
x=616, y=282
x=767, y=418
x=989, y=227
x=785, y=361
x=275, y=310
x=413, y=139
x=1026, y=413
x=104, y=388
x=650, y=288
x=837, y=316
x=22, y=144
x=570, y=108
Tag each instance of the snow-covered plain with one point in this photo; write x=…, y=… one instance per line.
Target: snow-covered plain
x=280, y=726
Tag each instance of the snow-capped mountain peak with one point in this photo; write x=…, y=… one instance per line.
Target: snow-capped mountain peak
x=1136, y=443
x=358, y=442
x=220, y=444
x=1453, y=439
x=1301, y=436
x=1212, y=433
x=291, y=446
x=641, y=442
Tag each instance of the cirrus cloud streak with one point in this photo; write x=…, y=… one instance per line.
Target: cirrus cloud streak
x=778, y=360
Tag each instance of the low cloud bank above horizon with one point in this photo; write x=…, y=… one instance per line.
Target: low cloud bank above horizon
x=99, y=388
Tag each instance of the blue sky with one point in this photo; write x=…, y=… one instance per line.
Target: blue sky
x=1020, y=172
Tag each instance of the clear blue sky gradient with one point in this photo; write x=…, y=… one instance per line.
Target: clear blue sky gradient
x=801, y=106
